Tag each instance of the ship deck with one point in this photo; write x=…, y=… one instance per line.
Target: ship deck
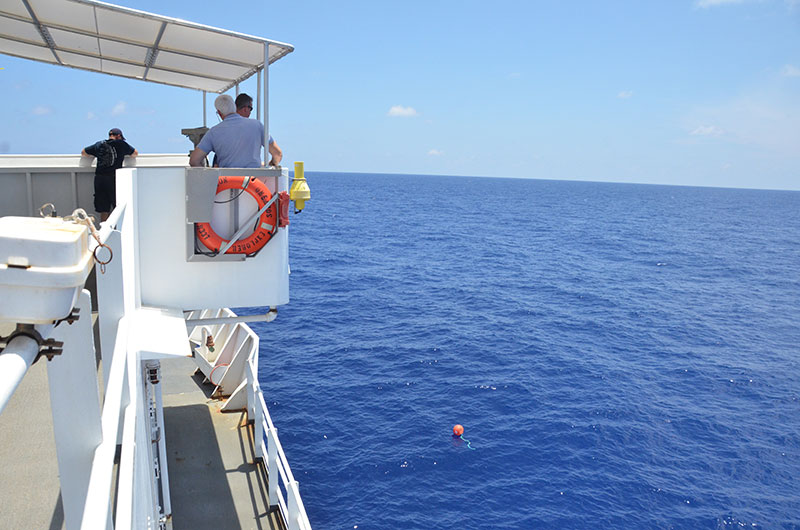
x=214, y=479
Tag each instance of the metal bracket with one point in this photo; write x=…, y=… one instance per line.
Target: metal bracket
x=47, y=347
x=72, y=317
x=50, y=348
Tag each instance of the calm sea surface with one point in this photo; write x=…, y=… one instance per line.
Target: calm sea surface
x=620, y=356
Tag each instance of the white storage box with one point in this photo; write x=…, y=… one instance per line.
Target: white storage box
x=44, y=263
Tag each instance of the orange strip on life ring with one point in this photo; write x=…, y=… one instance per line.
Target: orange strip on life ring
x=266, y=221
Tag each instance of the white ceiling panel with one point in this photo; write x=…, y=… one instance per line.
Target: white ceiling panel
x=172, y=78
x=182, y=63
x=122, y=69
x=125, y=52
x=61, y=13
x=78, y=42
x=27, y=51
x=83, y=62
x=21, y=30
x=128, y=27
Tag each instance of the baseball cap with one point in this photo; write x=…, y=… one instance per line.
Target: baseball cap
x=116, y=131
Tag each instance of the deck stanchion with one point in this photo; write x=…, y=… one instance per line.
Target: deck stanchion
x=75, y=404
x=291, y=503
x=273, y=475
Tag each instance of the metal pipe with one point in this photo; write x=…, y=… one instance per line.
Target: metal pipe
x=266, y=104
x=268, y=317
x=15, y=360
x=204, y=109
x=18, y=355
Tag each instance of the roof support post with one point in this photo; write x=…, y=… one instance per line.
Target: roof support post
x=204, y=109
x=258, y=94
x=266, y=104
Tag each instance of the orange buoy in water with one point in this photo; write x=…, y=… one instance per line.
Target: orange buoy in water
x=458, y=430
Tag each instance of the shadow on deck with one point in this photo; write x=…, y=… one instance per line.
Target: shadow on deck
x=214, y=479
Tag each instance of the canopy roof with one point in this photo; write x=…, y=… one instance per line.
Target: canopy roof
x=114, y=40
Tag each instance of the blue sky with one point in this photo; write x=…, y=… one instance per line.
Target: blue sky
x=690, y=92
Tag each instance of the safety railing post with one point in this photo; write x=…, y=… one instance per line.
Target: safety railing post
x=258, y=428
x=273, y=475
x=251, y=392
x=292, y=492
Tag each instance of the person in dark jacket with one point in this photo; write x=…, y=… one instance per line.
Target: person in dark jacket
x=110, y=155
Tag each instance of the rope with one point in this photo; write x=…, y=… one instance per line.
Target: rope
x=469, y=446
x=80, y=216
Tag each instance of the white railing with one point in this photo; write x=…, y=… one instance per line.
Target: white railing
x=124, y=420
x=278, y=471
x=283, y=489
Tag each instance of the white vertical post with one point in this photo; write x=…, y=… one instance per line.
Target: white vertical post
x=162, y=450
x=204, y=109
x=127, y=490
x=75, y=402
x=237, y=89
x=292, y=492
x=258, y=94
x=266, y=104
x=273, y=475
x=251, y=393
x=109, y=301
x=258, y=429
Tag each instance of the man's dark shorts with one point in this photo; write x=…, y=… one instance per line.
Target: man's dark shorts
x=105, y=193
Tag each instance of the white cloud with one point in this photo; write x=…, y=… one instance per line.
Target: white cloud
x=625, y=94
x=119, y=108
x=91, y=115
x=41, y=110
x=401, y=111
x=435, y=152
x=764, y=121
x=790, y=71
x=706, y=130
x=514, y=75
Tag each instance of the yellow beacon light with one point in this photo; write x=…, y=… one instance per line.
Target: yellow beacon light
x=299, y=192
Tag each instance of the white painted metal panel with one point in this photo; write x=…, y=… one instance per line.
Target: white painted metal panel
x=23, y=30
x=173, y=61
x=26, y=51
x=84, y=62
x=173, y=78
x=75, y=41
x=122, y=69
x=75, y=401
x=61, y=13
x=172, y=281
x=127, y=26
x=124, y=51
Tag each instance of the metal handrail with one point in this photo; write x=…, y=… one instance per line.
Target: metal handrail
x=278, y=470
x=97, y=509
x=266, y=444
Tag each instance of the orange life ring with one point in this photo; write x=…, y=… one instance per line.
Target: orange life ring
x=266, y=221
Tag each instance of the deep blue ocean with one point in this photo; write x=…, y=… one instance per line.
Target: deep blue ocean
x=620, y=356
